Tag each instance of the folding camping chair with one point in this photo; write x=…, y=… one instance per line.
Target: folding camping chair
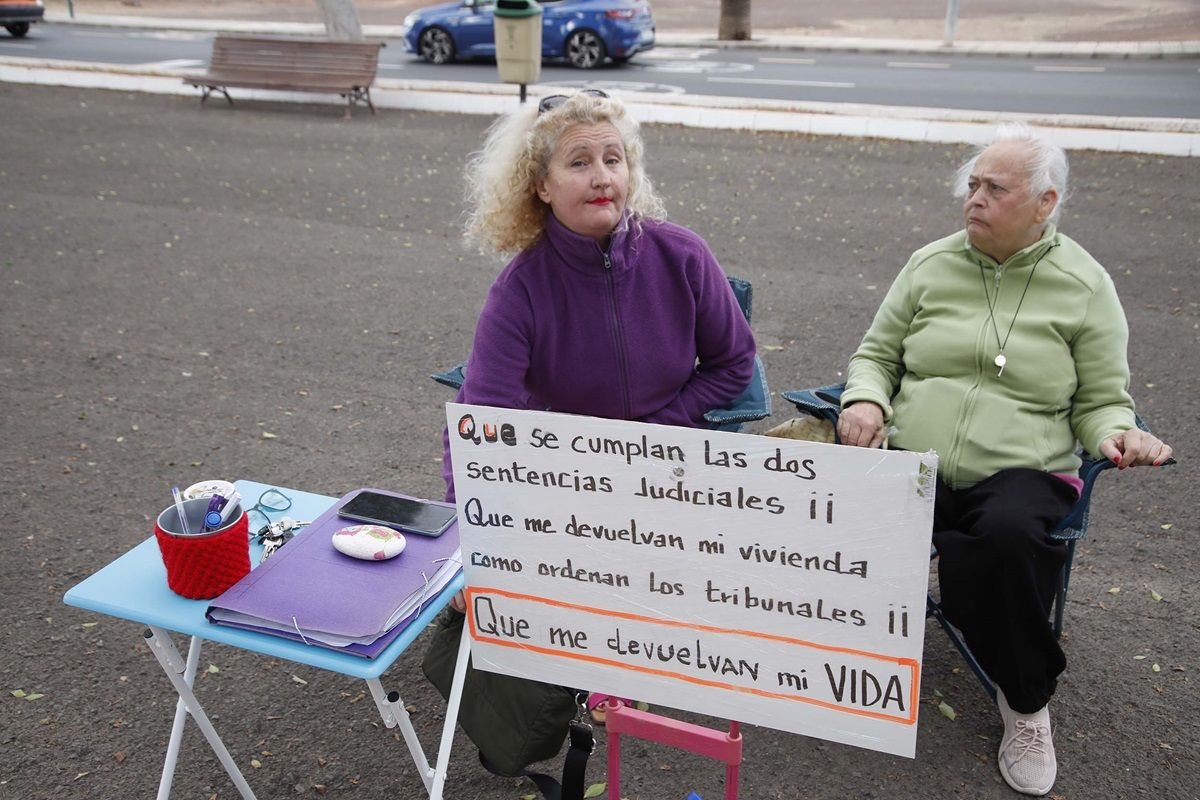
x=825, y=402
x=752, y=404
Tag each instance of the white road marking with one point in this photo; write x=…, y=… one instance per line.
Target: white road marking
x=780, y=82
x=1056, y=68
x=918, y=65
x=166, y=36
x=779, y=60
x=175, y=63
x=626, y=86
x=694, y=67
x=670, y=53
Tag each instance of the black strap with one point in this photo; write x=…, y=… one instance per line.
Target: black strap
x=582, y=744
x=575, y=765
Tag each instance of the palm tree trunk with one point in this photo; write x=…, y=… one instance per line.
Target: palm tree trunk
x=735, y=20
x=341, y=20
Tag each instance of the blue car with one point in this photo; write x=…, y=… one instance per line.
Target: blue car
x=584, y=32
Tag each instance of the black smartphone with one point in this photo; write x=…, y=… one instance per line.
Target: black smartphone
x=409, y=516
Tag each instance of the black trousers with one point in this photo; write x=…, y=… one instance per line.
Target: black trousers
x=999, y=571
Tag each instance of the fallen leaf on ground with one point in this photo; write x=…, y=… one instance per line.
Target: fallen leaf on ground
x=34, y=696
x=254, y=762
x=1155, y=668
x=213, y=669
x=269, y=435
x=18, y=693
x=1115, y=590
x=299, y=680
x=595, y=790
x=947, y=710
x=1139, y=658
x=1155, y=596
x=1167, y=526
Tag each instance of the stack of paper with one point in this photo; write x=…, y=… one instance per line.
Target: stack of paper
x=310, y=592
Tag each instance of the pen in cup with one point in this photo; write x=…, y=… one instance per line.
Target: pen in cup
x=232, y=501
x=183, y=526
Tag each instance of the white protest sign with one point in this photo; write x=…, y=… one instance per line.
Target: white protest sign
x=770, y=581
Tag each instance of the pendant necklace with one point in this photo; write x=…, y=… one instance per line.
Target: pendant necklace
x=1001, y=360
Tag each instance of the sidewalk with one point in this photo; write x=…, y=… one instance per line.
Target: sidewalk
x=766, y=40
x=922, y=21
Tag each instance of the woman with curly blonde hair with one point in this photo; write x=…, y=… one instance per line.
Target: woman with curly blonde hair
x=506, y=212
x=606, y=310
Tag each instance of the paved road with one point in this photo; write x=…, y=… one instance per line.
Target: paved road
x=1145, y=88
x=177, y=282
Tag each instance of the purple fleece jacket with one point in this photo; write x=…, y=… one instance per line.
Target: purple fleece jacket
x=649, y=331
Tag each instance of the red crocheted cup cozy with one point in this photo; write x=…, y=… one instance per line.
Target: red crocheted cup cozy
x=203, y=566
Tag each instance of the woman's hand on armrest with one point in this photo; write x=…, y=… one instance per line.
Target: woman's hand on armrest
x=1135, y=448
x=861, y=425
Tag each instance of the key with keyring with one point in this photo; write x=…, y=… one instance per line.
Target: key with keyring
x=275, y=535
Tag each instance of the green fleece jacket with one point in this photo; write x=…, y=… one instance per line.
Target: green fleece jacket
x=928, y=358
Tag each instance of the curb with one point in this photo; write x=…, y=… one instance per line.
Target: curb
x=1183, y=49
x=1172, y=137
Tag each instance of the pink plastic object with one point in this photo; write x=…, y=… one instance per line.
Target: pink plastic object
x=620, y=720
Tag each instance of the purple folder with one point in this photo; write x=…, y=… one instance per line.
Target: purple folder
x=307, y=584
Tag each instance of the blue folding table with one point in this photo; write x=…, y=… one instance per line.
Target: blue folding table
x=134, y=587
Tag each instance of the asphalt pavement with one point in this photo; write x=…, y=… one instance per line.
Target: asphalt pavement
x=262, y=291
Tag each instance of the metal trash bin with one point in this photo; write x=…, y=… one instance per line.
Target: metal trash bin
x=518, y=28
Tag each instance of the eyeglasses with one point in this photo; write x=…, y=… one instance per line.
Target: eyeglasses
x=553, y=101
x=270, y=500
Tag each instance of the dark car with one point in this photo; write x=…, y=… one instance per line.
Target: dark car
x=584, y=32
x=18, y=15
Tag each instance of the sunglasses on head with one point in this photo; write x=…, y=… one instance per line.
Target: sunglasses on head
x=553, y=101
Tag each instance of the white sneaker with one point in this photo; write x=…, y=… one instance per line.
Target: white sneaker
x=1026, y=758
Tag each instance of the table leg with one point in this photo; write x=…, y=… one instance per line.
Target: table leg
x=456, y=689
x=164, y=650
x=392, y=709
x=189, y=677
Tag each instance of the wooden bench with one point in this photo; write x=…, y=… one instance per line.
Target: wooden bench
x=291, y=64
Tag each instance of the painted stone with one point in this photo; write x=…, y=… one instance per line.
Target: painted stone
x=369, y=542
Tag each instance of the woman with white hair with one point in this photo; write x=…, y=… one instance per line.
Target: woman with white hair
x=606, y=309
x=998, y=347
